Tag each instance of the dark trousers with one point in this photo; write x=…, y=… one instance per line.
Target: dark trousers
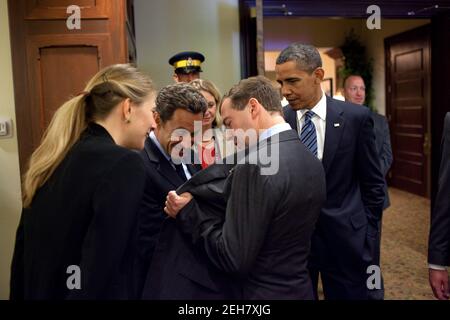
x=340, y=285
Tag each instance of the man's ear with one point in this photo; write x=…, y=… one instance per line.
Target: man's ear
x=126, y=109
x=157, y=118
x=319, y=74
x=175, y=78
x=255, y=107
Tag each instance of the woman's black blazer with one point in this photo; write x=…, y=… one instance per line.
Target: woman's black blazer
x=77, y=240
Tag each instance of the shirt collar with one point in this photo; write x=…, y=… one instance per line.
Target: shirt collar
x=320, y=109
x=158, y=145
x=278, y=128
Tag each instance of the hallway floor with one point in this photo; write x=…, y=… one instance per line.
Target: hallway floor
x=404, y=247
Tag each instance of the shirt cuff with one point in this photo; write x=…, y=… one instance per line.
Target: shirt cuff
x=436, y=267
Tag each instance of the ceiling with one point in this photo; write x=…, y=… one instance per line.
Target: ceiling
x=352, y=9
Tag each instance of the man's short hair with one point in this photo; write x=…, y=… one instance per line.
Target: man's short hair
x=179, y=96
x=306, y=56
x=260, y=88
x=352, y=75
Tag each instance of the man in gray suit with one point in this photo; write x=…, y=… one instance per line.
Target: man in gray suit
x=264, y=233
x=439, y=243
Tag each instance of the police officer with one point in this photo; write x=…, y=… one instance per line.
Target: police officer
x=187, y=65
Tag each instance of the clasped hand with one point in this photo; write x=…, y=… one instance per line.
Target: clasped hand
x=174, y=202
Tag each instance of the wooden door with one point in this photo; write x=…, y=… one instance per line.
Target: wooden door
x=408, y=69
x=52, y=63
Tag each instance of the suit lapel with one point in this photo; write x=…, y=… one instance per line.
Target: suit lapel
x=290, y=116
x=333, y=132
x=447, y=123
x=445, y=141
x=162, y=164
x=193, y=168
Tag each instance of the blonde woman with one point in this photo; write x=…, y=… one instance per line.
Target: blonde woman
x=213, y=145
x=76, y=237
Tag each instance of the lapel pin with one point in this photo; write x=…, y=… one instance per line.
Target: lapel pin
x=336, y=125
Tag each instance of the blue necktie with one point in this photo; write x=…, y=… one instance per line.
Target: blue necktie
x=308, y=134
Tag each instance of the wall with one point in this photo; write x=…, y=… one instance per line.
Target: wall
x=329, y=66
x=374, y=41
x=321, y=32
x=10, y=196
x=211, y=27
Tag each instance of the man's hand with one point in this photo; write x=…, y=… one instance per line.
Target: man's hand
x=174, y=202
x=439, y=283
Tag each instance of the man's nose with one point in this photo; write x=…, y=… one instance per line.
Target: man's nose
x=285, y=91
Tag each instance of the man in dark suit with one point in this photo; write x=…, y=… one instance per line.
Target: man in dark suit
x=355, y=92
x=439, y=242
x=344, y=244
x=178, y=106
x=264, y=234
x=180, y=268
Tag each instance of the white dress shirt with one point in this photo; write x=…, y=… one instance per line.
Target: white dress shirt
x=436, y=267
x=319, y=120
x=278, y=128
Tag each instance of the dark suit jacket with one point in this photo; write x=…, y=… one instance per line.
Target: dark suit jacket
x=347, y=230
x=264, y=237
x=84, y=215
x=384, y=150
x=180, y=269
x=161, y=178
x=439, y=242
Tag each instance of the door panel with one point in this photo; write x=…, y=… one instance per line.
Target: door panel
x=65, y=68
x=66, y=63
x=408, y=61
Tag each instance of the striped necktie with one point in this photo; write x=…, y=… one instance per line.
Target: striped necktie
x=308, y=134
